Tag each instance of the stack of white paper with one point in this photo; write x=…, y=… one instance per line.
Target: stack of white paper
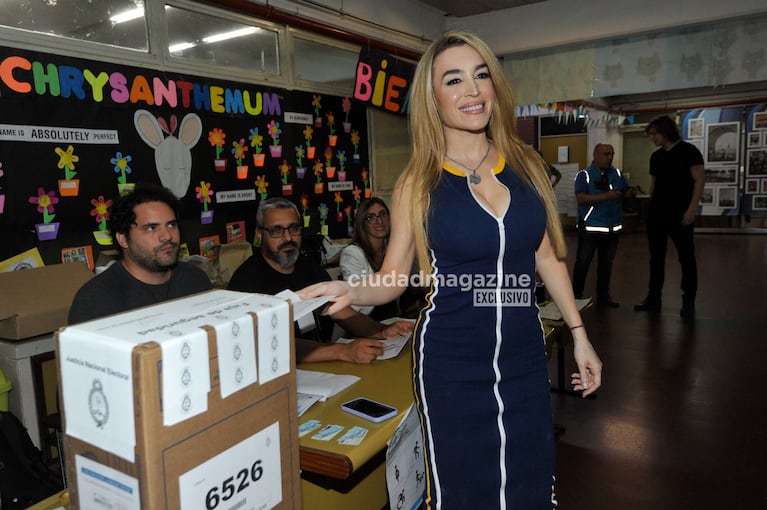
x=322, y=384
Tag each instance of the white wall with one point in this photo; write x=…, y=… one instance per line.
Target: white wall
x=405, y=23
x=547, y=24
x=560, y=22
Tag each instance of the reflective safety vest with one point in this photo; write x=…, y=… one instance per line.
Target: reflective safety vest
x=602, y=217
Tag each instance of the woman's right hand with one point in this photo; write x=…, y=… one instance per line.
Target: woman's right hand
x=339, y=290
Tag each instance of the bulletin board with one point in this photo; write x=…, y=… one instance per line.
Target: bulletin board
x=76, y=133
x=733, y=141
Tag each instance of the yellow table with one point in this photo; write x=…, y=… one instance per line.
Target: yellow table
x=58, y=501
x=353, y=477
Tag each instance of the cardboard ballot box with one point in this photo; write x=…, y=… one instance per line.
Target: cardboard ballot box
x=36, y=301
x=184, y=405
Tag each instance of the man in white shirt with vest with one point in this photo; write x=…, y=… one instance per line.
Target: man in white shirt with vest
x=599, y=191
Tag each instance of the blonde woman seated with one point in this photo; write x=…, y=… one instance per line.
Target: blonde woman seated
x=365, y=253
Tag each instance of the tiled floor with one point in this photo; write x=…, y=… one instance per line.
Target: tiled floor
x=681, y=420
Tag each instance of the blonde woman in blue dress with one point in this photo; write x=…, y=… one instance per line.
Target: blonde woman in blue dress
x=476, y=209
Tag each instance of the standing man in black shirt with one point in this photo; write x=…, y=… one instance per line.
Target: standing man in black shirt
x=676, y=170
x=144, y=225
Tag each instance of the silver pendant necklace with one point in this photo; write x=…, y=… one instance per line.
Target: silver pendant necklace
x=473, y=178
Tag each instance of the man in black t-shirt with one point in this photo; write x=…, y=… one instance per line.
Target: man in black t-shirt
x=279, y=265
x=144, y=226
x=676, y=170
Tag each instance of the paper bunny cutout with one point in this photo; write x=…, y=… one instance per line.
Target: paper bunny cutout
x=172, y=156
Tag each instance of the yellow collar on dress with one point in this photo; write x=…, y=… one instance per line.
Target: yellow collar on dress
x=460, y=173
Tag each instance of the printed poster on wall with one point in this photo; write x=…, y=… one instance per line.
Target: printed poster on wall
x=77, y=133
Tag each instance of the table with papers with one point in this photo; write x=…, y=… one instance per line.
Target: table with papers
x=387, y=381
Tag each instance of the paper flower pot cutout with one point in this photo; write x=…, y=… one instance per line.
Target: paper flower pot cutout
x=332, y=140
x=204, y=194
x=319, y=187
x=330, y=171
x=100, y=213
x=342, y=175
x=258, y=159
x=287, y=190
x=307, y=221
x=318, y=122
x=368, y=192
x=349, y=231
x=47, y=231
x=275, y=151
x=347, y=127
x=2, y=203
x=300, y=172
x=242, y=171
x=45, y=200
x=124, y=189
x=69, y=187
x=102, y=238
x=310, y=151
x=324, y=230
x=217, y=139
x=206, y=217
x=356, y=158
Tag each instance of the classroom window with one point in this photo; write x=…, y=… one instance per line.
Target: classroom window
x=206, y=39
x=119, y=23
x=319, y=62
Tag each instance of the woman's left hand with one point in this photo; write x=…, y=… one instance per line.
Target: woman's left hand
x=589, y=376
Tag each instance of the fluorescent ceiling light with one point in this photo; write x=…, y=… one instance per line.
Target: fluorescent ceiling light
x=131, y=14
x=230, y=35
x=175, y=48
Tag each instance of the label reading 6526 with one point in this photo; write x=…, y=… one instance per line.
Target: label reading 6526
x=246, y=476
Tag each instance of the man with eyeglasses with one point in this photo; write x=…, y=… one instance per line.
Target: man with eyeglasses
x=279, y=265
x=599, y=191
x=144, y=226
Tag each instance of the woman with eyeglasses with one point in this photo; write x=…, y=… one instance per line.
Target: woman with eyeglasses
x=365, y=253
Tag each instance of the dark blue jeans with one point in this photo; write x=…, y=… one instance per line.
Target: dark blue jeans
x=605, y=246
x=660, y=228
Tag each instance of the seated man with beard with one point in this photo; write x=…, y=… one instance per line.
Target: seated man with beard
x=279, y=265
x=144, y=226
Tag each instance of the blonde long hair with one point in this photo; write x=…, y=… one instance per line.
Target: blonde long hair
x=424, y=168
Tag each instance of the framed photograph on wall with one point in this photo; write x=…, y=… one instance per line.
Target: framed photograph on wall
x=764, y=186
x=722, y=143
x=695, y=128
x=720, y=174
x=759, y=203
x=764, y=138
x=708, y=197
x=754, y=139
x=727, y=197
x=752, y=186
x=760, y=120
x=756, y=166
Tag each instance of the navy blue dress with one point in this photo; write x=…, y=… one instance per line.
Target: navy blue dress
x=480, y=372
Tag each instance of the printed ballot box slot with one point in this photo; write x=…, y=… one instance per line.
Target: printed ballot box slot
x=251, y=431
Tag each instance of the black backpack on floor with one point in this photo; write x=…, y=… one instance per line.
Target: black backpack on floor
x=24, y=477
